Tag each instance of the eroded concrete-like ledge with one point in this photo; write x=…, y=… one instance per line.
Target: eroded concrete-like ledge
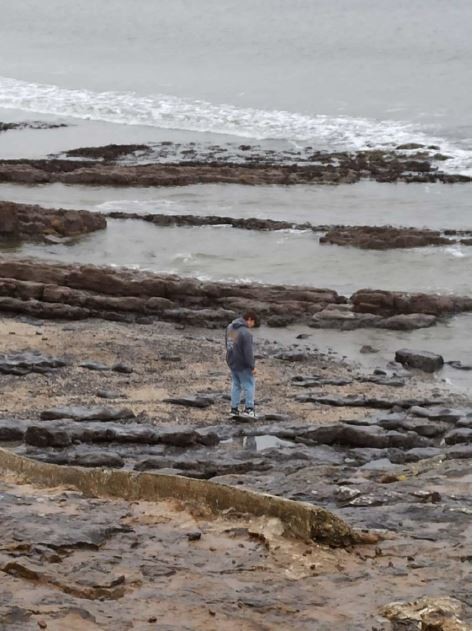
x=299, y=519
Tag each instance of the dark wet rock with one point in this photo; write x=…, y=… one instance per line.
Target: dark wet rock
x=273, y=416
x=191, y=402
x=292, y=356
x=97, y=458
x=383, y=237
x=204, y=469
x=393, y=382
x=94, y=366
x=416, y=454
x=30, y=125
x=107, y=152
x=29, y=361
x=424, y=428
x=279, y=320
x=408, y=321
x=459, y=365
x=459, y=450
x=361, y=401
x=122, y=368
x=390, y=303
x=378, y=438
x=208, y=437
x=423, y=360
x=458, y=435
x=309, y=382
x=63, y=433
x=12, y=429
x=432, y=497
x=438, y=413
x=409, y=146
x=366, y=348
x=44, y=436
x=110, y=394
x=194, y=536
x=83, y=413
x=181, y=437
x=464, y=422
x=257, y=168
x=166, y=357
x=343, y=319
x=244, y=223
x=75, y=291
x=353, y=436
x=33, y=223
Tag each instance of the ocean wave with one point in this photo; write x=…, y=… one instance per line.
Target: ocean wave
x=171, y=112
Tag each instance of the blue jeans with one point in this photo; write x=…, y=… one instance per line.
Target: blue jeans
x=243, y=380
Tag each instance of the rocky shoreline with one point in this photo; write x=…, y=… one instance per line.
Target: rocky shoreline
x=52, y=290
x=316, y=168
x=115, y=376
x=31, y=222
x=389, y=456
x=27, y=222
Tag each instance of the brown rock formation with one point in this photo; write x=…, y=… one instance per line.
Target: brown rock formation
x=34, y=223
x=78, y=291
x=383, y=237
x=389, y=303
x=330, y=168
x=49, y=290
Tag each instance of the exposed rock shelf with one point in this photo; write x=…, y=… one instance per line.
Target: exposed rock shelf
x=323, y=169
x=26, y=222
x=365, y=237
x=385, y=237
x=75, y=291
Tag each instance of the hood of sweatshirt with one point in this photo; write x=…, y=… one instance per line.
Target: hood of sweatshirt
x=238, y=323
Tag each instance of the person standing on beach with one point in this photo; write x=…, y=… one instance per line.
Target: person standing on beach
x=241, y=361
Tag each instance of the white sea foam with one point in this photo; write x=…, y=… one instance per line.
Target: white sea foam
x=456, y=251
x=171, y=112
x=141, y=207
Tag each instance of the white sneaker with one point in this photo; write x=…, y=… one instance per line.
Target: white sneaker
x=250, y=412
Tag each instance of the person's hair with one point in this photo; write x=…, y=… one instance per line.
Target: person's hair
x=251, y=315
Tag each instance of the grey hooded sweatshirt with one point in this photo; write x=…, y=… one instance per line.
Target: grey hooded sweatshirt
x=239, y=346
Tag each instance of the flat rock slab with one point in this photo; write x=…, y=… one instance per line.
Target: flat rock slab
x=63, y=433
x=204, y=469
x=83, y=413
x=29, y=361
x=459, y=365
x=458, y=435
x=423, y=360
x=361, y=401
x=309, y=382
x=292, y=356
x=13, y=429
x=381, y=380
x=119, y=367
x=191, y=402
x=110, y=394
x=94, y=366
x=424, y=428
x=438, y=413
x=99, y=458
